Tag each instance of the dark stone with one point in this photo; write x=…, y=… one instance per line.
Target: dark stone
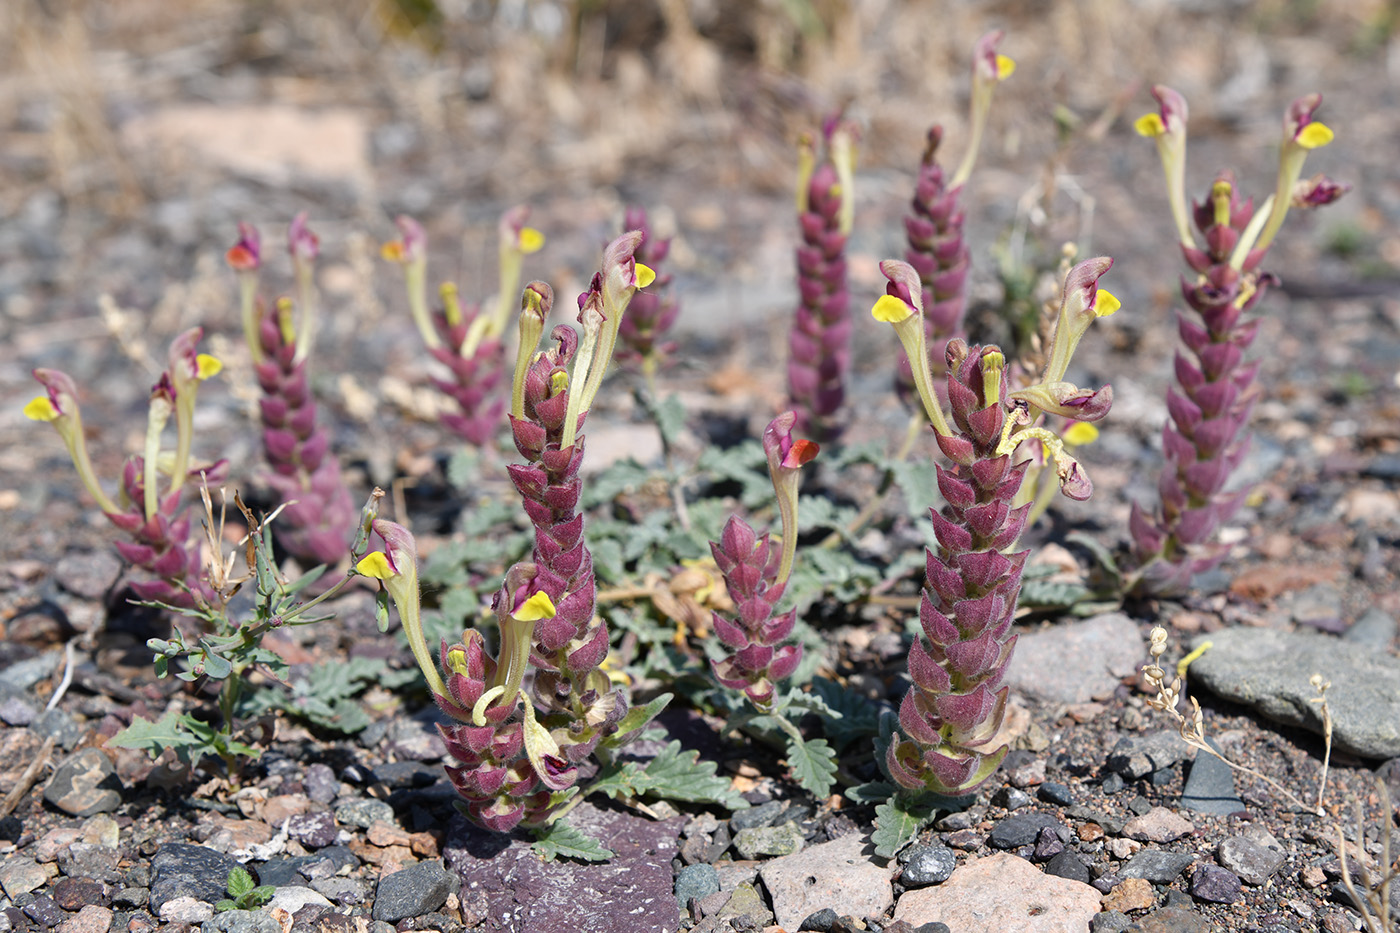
x=1113, y=784
x=137, y=876
x=1140, y=805
x=926, y=865
x=755, y=817
x=1012, y=798
x=180, y=870
x=313, y=830
x=719, y=843
x=1106, y=882
x=85, y=784
x=694, y=882
x=1156, y=865
x=60, y=726
x=933, y=926
x=1053, y=792
x=77, y=893
x=1215, y=885
x=362, y=813
x=505, y=883
x=406, y=774
x=131, y=898
x=43, y=910
x=414, y=891
x=1172, y=920
x=1138, y=756
x=1069, y=865
x=1210, y=786
x=1021, y=829
x=284, y=872
x=819, y=922
x=958, y=819
x=1048, y=844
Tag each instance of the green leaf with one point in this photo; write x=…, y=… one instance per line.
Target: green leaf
x=155, y=737
x=217, y=667
x=674, y=775
x=224, y=905
x=463, y=467
x=621, y=477
x=670, y=419
x=638, y=716
x=1101, y=554
x=239, y=882
x=560, y=840
x=897, y=821
x=918, y=481
x=871, y=792
x=858, y=718
x=813, y=764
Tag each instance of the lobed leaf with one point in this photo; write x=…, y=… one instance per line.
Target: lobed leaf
x=813, y=765
x=560, y=840
x=897, y=821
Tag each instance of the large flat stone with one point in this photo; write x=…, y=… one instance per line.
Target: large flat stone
x=1003, y=892
x=843, y=874
x=508, y=888
x=1076, y=662
x=1269, y=670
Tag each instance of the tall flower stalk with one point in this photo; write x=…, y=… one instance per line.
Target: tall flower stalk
x=819, y=342
x=951, y=715
x=1205, y=438
x=518, y=743
x=468, y=339
x=318, y=516
x=155, y=519
x=653, y=312
x=934, y=226
x=756, y=575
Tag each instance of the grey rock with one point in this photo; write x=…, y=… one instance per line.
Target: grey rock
x=1110, y=921
x=1077, y=662
x=756, y=817
x=783, y=839
x=321, y=784
x=77, y=893
x=342, y=890
x=15, y=711
x=1156, y=865
x=84, y=784
x=20, y=874
x=59, y=725
x=695, y=882
x=328, y=862
x=1112, y=825
x=417, y=738
x=926, y=865
x=1319, y=606
x=820, y=921
x=396, y=774
x=179, y=870
x=88, y=574
x=1172, y=919
x=1139, y=755
x=1210, y=787
x=1048, y=844
x=1113, y=784
x=85, y=860
x=1375, y=629
x=44, y=911
x=1269, y=670
x=1157, y=825
x=1069, y=865
x=22, y=675
x=131, y=898
x=1215, y=885
x=1254, y=863
x=1021, y=829
x=242, y=921
x=186, y=909
x=363, y=813
x=505, y=883
x=414, y=891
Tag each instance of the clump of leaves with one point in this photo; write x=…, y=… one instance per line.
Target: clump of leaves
x=244, y=893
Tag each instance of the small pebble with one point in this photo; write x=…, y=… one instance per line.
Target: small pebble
x=1215, y=885
x=926, y=865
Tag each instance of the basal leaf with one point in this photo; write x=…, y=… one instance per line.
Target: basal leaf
x=859, y=717
x=897, y=821
x=678, y=775
x=670, y=418
x=813, y=764
x=871, y=792
x=560, y=840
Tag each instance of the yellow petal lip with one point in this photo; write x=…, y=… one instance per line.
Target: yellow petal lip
x=530, y=240
x=1079, y=434
x=1006, y=65
x=891, y=310
x=645, y=275
x=1314, y=136
x=559, y=382
x=392, y=251
x=206, y=366
x=537, y=607
x=1149, y=125
x=375, y=564
x=1107, y=303
x=40, y=408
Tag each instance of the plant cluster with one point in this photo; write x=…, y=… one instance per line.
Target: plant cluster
x=592, y=610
